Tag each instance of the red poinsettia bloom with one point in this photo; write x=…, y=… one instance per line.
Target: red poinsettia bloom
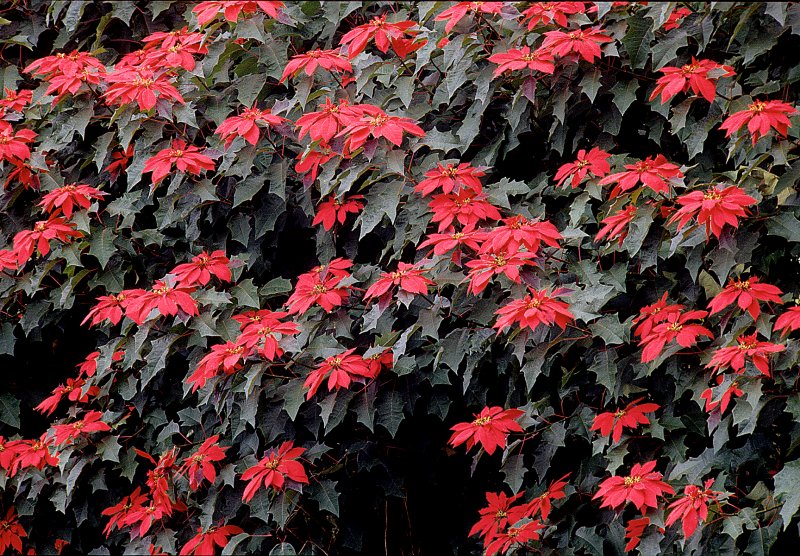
x=676, y=18
x=585, y=43
x=324, y=124
x=267, y=329
x=167, y=39
x=330, y=60
x=713, y=208
x=332, y=210
x=108, y=307
x=34, y=453
x=466, y=206
x=694, y=76
x=140, y=85
x=143, y=517
x=631, y=417
x=490, y=264
x=451, y=179
x=692, y=507
x=64, y=84
x=760, y=116
x=634, y=531
x=442, y=243
x=675, y=327
x=514, y=535
x=749, y=348
x=39, y=238
x=274, y=469
x=522, y=58
x=246, y=125
x=13, y=145
x=167, y=299
x=119, y=162
x=497, y=515
x=408, y=278
x=205, y=543
x=231, y=9
x=651, y=315
x=173, y=50
x=615, y=226
x=202, y=268
x=90, y=423
x=454, y=14
x=789, y=321
x=728, y=393
x=119, y=513
x=65, y=199
x=542, y=504
x=308, y=162
x=63, y=64
x=339, y=370
x=11, y=532
x=534, y=310
x=397, y=35
x=652, y=172
x=224, y=358
x=746, y=294
x=8, y=453
x=23, y=173
x=200, y=465
x=185, y=158
x=321, y=287
x=517, y=232
x=642, y=487
x=546, y=12
x=376, y=123
x=379, y=361
x=16, y=100
x=490, y=429
x=595, y=161
x=8, y=260
x=72, y=389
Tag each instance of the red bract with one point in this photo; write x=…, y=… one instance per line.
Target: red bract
x=64, y=64
x=90, y=423
x=408, y=278
x=514, y=535
x=517, y=232
x=174, y=49
x=585, y=43
x=694, y=76
x=185, y=158
x=651, y=315
x=224, y=358
x=379, y=361
x=374, y=122
x=466, y=206
x=8, y=453
x=727, y=395
x=119, y=514
x=789, y=321
x=676, y=18
x=274, y=469
x=88, y=367
x=64, y=199
x=200, y=465
x=13, y=145
x=72, y=390
x=16, y=100
x=324, y=124
x=631, y=417
x=642, y=487
x=522, y=58
x=23, y=173
x=397, y=35
x=205, y=543
x=542, y=503
x=332, y=210
x=8, y=260
x=748, y=348
x=202, y=268
x=268, y=329
x=140, y=85
x=675, y=327
x=119, y=162
x=536, y=309
x=490, y=429
x=143, y=517
x=108, y=307
x=692, y=507
x=339, y=369
x=497, y=515
x=615, y=226
x=330, y=60
x=546, y=12
x=11, y=532
x=713, y=208
x=652, y=172
x=246, y=125
x=746, y=294
x=208, y=11
x=454, y=14
x=311, y=160
x=760, y=116
x=33, y=453
x=442, y=243
x=64, y=84
x=595, y=161
x=39, y=238
x=490, y=264
x=451, y=179
x=634, y=531
x=322, y=287
x=168, y=300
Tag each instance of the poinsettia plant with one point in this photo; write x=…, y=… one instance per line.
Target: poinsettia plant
x=437, y=277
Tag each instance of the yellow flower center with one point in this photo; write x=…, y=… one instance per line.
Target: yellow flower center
x=40, y=226
x=632, y=480
x=319, y=288
x=142, y=82
x=742, y=286
x=499, y=260
x=481, y=421
x=757, y=107
x=378, y=120
x=272, y=464
x=675, y=327
x=712, y=195
x=176, y=153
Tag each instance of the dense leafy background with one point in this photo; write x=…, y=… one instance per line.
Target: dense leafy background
x=383, y=477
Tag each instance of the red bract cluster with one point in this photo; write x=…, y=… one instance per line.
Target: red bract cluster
x=274, y=469
x=642, y=488
x=612, y=423
x=490, y=429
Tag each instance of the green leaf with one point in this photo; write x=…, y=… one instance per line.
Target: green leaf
x=637, y=40
x=102, y=246
x=786, y=482
x=390, y=410
x=9, y=410
x=325, y=493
